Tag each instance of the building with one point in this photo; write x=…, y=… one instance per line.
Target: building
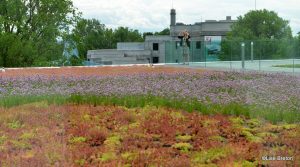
x=205, y=39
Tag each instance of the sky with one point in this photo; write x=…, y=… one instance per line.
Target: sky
x=154, y=15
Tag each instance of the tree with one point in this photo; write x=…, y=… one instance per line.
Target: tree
x=91, y=34
x=147, y=34
x=124, y=34
x=15, y=52
x=165, y=31
x=260, y=24
x=34, y=24
x=270, y=33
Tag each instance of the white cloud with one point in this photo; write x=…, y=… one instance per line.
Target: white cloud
x=154, y=15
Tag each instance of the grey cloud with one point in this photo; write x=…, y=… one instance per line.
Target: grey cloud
x=154, y=15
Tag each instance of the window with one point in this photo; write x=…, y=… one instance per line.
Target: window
x=155, y=46
x=155, y=60
x=198, y=45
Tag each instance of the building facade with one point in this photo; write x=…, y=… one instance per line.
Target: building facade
x=205, y=38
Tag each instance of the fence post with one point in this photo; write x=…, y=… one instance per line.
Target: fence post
x=231, y=55
x=252, y=52
x=205, y=53
x=243, y=55
x=294, y=55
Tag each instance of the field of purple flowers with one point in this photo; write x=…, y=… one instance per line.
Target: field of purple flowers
x=262, y=91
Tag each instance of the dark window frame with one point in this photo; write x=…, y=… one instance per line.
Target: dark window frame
x=155, y=60
x=155, y=46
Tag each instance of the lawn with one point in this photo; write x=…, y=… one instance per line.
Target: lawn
x=141, y=116
x=288, y=66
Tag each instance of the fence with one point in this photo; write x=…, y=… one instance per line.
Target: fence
x=261, y=55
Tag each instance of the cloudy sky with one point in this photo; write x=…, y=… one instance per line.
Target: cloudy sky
x=154, y=15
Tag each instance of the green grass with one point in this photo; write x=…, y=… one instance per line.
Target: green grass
x=12, y=101
x=274, y=114
x=288, y=66
x=142, y=101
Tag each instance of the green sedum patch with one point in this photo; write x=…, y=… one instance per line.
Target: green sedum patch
x=27, y=136
x=129, y=156
x=75, y=140
x=105, y=157
x=22, y=145
x=253, y=123
x=156, y=137
x=54, y=157
x=177, y=115
x=80, y=162
x=15, y=124
x=113, y=142
x=184, y=147
x=289, y=126
x=210, y=156
x=246, y=164
x=249, y=136
x=237, y=121
x=87, y=117
x=266, y=135
x=134, y=125
x=209, y=122
x=3, y=138
x=218, y=138
x=184, y=138
x=247, y=128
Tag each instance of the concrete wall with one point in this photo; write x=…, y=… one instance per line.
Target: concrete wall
x=217, y=26
x=158, y=38
x=161, y=40
x=208, y=28
x=113, y=56
x=130, y=46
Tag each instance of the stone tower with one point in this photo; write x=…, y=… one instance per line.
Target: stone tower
x=173, y=17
